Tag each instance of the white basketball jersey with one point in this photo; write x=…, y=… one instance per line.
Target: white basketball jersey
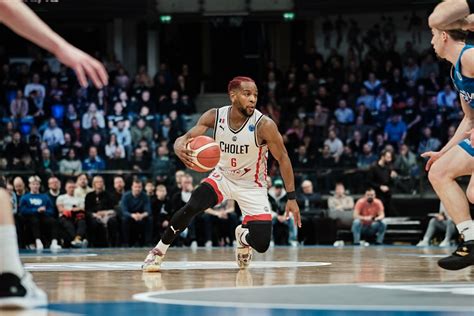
x=242, y=158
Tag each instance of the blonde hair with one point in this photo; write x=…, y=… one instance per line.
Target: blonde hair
x=34, y=179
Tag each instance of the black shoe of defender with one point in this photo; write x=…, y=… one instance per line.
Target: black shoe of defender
x=461, y=258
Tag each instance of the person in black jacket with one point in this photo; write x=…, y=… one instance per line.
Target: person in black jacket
x=380, y=177
x=101, y=216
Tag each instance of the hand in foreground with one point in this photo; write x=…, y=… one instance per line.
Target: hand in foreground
x=83, y=65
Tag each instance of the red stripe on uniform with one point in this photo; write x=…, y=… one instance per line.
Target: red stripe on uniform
x=259, y=217
x=213, y=184
x=258, y=167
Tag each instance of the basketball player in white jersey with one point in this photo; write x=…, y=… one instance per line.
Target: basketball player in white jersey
x=456, y=158
x=17, y=288
x=244, y=136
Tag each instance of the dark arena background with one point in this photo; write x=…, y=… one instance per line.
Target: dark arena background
x=357, y=93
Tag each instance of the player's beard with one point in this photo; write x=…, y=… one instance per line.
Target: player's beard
x=244, y=112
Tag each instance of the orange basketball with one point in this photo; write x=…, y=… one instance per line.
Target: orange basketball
x=206, y=153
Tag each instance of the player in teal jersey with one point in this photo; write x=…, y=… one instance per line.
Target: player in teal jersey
x=449, y=24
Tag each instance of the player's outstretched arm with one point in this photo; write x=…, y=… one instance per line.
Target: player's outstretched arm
x=450, y=14
x=23, y=21
x=205, y=122
x=268, y=132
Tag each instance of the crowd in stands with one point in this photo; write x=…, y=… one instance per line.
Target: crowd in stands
x=361, y=117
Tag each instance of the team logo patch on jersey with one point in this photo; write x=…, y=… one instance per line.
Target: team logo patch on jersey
x=251, y=127
x=234, y=138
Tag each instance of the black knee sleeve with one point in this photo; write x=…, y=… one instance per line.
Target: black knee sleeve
x=260, y=234
x=201, y=199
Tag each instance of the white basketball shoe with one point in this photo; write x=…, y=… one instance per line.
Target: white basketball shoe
x=153, y=261
x=20, y=293
x=243, y=253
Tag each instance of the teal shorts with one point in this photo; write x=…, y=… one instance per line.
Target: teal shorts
x=466, y=145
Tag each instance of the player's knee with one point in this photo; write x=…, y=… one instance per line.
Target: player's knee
x=260, y=234
x=437, y=174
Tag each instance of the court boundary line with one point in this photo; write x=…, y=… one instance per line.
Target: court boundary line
x=146, y=297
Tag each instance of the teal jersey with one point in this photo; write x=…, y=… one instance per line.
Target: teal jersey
x=463, y=84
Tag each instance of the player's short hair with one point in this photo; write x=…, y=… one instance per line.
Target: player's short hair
x=458, y=35
x=236, y=81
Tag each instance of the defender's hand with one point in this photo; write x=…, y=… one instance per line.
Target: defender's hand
x=433, y=156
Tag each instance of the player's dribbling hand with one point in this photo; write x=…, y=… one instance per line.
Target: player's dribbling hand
x=433, y=156
x=83, y=65
x=292, y=207
x=185, y=154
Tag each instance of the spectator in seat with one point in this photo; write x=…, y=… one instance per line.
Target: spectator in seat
x=441, y=222
x=344, y=115
x=428, y=142
x=54, y=191
x=111, y=147
x=101, y=215
x=122, y=132
x=38, y=88
x=37, y=210
x=336, y=147
x=15, y=150
x=395, y=131
x=140, y=161
x=19, y=106
x=72, y=217
x=309, y=203
x=368, y=216
x=162, y=166
x=118, y=162
x=445, y=98
x=82, y=187
x=341, y=207
x=136, y=212
x=53, y=135
x=93, y=162
x=141, y=131
x=48, y=164
x=278, y=193
x=19, y=188
x=71, y=165
x=92, y=112
x=118, y=191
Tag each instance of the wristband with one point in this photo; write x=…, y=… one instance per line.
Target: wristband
x=470, y=4
x=291, y=195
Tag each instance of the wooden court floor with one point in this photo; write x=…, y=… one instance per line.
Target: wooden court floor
x=96, y=275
